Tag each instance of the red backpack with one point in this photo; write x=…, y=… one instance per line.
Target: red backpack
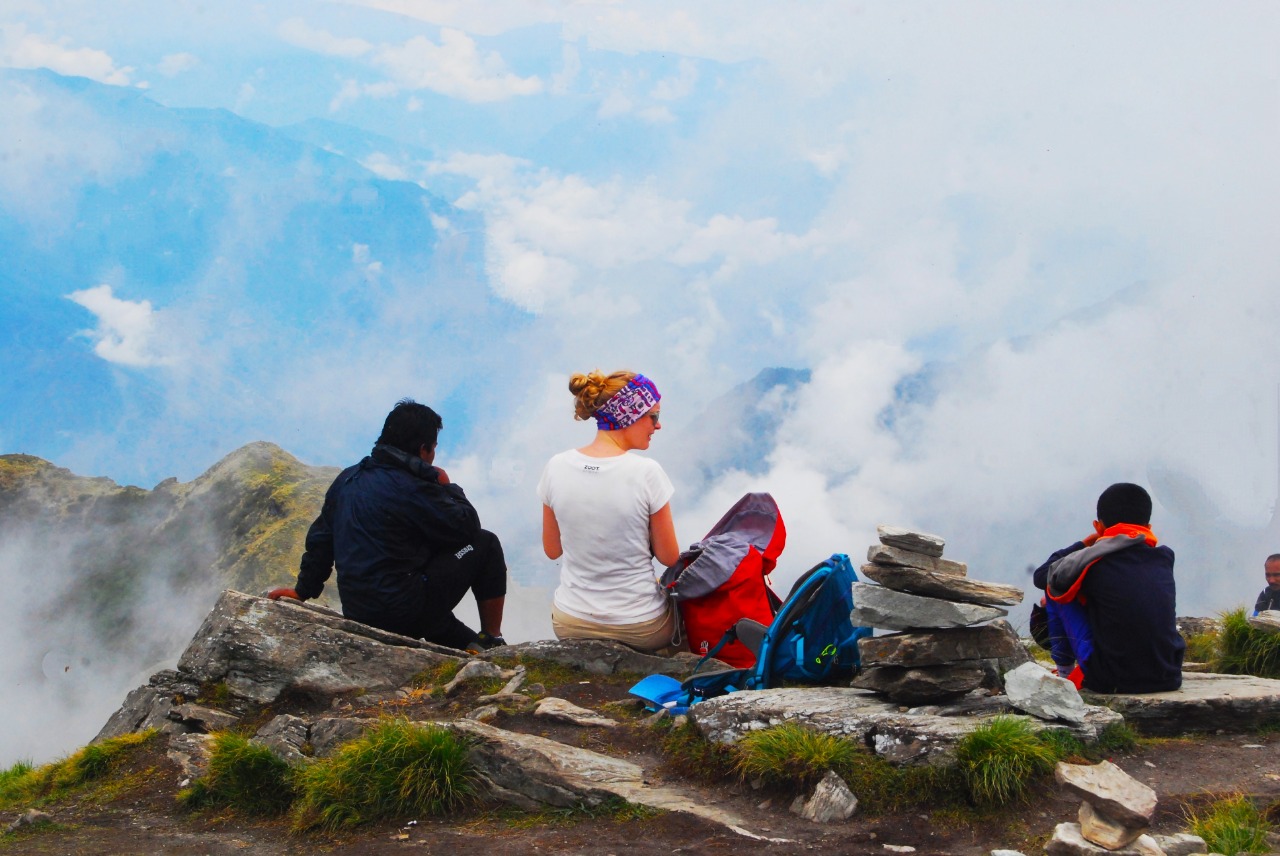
x=724, y=577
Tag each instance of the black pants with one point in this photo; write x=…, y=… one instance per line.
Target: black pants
x=480, y=568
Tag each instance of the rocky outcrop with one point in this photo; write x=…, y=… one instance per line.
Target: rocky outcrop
x=911, y=736
x=256, y=650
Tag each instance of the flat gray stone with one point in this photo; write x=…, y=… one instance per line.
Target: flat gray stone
x=884, y=554
x=190, y=752
x=910, y=539
x=902, y=737
x=1104, y=831
x=599, y=657
x=200, y=718
x=563, y=711
x=1067, y=840
x=1032, y=689
x=1111, y=791
x=533, y=772
x=1267, y=621
x=1181, y=844
x=1206, y=702
x=476, y=670
x=877, y=606
x=941, y=647
x=944, y=586
x=922, y=684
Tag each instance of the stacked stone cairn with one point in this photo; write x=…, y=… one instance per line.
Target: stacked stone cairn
x=945, y=647
x=1114, y=816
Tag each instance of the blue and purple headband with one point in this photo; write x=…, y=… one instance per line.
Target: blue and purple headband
x=628, y=404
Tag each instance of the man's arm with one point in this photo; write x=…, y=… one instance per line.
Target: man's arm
x=317, y=557
x=445, y=515
x=1041, y=577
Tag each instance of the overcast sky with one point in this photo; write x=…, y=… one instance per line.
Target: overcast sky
x=1027, y=250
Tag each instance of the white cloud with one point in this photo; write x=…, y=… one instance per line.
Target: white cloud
x=455, y=67
x=298, y=32
x=678, y=86
x=175, y=64
x=352, y=91
x=570, y=68
x=20, y=49
x=126, y=333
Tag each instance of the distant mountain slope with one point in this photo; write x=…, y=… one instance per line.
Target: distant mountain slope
x=107, y=553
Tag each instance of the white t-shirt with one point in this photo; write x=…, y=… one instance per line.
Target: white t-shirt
x=602, y=506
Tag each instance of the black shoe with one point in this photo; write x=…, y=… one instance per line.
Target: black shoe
x=483, y=642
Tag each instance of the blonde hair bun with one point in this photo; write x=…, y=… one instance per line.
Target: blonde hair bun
x=593, y=389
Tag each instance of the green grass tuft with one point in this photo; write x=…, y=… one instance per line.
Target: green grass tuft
x=1118, y=738
x=690, y=755
x=244, y=776
x=395, y=770
x=1231, y=825
x=1204, y=647
x=791, y=754
x=22, y=783
x=1247, y=650
x=999, y=758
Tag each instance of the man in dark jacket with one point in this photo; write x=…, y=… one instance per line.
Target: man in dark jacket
x=1114, y=594
x=406, y=542
x=1270, y=596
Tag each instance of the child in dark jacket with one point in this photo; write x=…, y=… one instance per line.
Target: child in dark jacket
x=1270, y=596
x=1113, y=596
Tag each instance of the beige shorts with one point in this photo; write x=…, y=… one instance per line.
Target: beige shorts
x=655, y=636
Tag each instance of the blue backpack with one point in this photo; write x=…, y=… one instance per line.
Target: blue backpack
x=811, y=640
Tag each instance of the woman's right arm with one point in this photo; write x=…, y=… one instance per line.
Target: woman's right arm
x=551, y=534
x=662, y=536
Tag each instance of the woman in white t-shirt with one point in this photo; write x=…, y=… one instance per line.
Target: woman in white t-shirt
x=607, y=514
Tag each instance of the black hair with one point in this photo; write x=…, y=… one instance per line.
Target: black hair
x=1274, y=557
x=410, y=426
x=1124, y=503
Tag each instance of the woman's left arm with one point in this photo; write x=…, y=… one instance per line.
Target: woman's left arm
x=662, y=536
x=551, y=534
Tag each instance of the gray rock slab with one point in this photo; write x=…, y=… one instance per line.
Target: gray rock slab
x=884, y=554
x=599, y=657
x=1267, y=621
x=148, y=706
x=1205, y=702
x=1104, y=831
x=1181, y=844
x=877, y=606
x=329, y=732
x=564, y=711
x=532, y=772
x=190, y=752
x=1067, y=840
x=285, y=735
x=1110, y=790
x=910, y=539
x=200, y=718
x=476, y=670
x=941, y=647
x=1032, y=689
x=262, y=649
x=903, y=737
x=830, y=801
x=921, y=684
x=944, y=586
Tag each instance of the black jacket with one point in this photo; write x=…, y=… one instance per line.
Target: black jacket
x=381, y=525
x=1269, y=599
x=1129, y=599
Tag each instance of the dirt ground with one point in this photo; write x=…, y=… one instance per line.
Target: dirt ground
x=134, y=812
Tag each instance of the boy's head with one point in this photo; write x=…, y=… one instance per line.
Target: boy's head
x=1272, y=569
x=1124, y=503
